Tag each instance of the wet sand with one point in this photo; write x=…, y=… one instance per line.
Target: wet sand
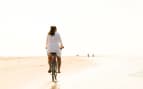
x=101, y=72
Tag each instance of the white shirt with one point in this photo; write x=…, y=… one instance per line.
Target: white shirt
x=53, y=42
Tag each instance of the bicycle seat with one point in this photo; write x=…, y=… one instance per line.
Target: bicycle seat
x=52, y=53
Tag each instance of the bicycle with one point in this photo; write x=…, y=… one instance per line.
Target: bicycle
x=53, y=66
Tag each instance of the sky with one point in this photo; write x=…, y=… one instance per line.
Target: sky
x=86, y=26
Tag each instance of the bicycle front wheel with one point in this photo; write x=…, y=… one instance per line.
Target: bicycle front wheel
x=54, y=73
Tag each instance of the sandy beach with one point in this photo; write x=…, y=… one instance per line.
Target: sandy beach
x=17, y=71
x=100, y=72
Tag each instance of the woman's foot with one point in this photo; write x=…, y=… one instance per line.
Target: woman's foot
x=49, y=71
x=59, y=71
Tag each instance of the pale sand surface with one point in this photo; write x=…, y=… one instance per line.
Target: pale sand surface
x=101, y=72
x=135, y=72
x=18, y=71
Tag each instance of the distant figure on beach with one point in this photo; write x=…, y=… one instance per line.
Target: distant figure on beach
x=92, y=55
x=54, y=44
x=88, y=55
x=77, y=55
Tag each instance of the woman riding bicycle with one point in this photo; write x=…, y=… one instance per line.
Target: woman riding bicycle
x=54, y=45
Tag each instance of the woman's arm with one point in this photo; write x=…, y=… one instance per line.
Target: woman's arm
x=46, y=47
x=60, y=41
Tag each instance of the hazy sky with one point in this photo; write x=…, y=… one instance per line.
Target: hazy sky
x=86, y=26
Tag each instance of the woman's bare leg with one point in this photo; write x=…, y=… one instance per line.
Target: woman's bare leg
x=49, y=61
x=59, y=63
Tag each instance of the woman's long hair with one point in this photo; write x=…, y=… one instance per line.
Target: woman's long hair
x=52, y=30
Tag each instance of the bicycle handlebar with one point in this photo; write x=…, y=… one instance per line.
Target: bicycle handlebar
x=61, y=48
